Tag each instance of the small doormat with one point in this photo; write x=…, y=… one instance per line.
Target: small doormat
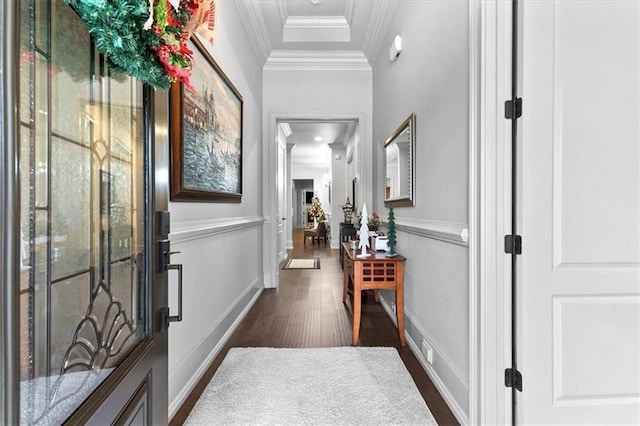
x=302, y=264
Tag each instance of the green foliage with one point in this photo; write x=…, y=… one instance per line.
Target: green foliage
x=117, y=30
x=316, y=210
x=391, y=231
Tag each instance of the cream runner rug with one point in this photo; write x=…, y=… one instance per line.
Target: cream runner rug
x=319, y=386
x=302, y=264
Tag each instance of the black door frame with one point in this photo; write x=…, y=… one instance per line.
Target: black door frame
x=9, y=215
x=156, y=152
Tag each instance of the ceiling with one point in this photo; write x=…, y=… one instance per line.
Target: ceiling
x=309, y=152
x=312, y=34
x=321, y=32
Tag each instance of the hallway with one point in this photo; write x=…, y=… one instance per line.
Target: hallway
x=307, y=311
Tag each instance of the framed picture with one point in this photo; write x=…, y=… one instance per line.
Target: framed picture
x=206, y=134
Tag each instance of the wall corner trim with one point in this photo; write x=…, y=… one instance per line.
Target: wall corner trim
x=192, y=230
x=449, y=232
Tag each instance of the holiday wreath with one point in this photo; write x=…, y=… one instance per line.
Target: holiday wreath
x=148, y=38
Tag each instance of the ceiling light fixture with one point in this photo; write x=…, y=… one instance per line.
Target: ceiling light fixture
x=318, y=139
x=396, y=48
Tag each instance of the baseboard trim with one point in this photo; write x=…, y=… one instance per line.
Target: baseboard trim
x=447, y=395
x=181, y=397
x=192, y=230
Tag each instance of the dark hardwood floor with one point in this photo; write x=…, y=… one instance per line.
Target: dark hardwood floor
x=307, y=311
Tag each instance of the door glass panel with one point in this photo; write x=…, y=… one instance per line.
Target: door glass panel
x=70, y=194
x=83, y=278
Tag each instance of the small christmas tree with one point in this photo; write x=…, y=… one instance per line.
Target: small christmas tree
x=364, y=233
x=391, y=234
x=316, y=210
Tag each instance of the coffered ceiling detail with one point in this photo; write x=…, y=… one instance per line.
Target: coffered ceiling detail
x=316, y=34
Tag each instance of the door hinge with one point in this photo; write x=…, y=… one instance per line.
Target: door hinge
x=513, y=379
x=513, y=244
x=513, y=110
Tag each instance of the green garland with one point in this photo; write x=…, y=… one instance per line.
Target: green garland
x=117, y=29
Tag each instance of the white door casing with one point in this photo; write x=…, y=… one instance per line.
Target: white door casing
x=269, y=184
x=579, y=295
x=281, y=183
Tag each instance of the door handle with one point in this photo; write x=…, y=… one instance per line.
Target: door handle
x=164, y=265
x=177, y=267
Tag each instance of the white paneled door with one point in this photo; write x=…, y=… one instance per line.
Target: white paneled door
x=579, y=307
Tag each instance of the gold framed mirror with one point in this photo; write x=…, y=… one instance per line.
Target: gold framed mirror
x=399, y=165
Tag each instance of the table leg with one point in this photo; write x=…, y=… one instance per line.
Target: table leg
x=345, y=281
x=400, y=312
x=357, y=306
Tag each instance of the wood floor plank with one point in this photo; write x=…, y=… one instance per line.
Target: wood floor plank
x=307, y=311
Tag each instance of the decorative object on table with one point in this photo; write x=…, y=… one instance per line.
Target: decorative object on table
x=364, y=233
x=381, y=243
x=316, y=210
x=391, y=234
x=347, y=209
x=148, y=38
x=374, y=222
x=206, y=134
x=399, y=165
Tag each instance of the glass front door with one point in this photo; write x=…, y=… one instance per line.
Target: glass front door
x=86, y=283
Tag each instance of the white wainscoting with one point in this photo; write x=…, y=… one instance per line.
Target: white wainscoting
x=185, y=231
x=193, y=365
x=444, y=373
x=222, y=280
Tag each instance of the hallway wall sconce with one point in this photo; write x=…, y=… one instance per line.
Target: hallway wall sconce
x=395, y=49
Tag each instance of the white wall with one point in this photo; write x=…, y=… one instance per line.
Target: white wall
x=219, y=283
x=318, y=174
x=430, y=79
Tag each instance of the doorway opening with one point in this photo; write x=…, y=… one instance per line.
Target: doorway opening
x=317, y=153
x=302, y=198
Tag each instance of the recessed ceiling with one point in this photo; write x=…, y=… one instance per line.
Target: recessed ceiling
x=311, y=153
x=333, y=34
x=286, y=30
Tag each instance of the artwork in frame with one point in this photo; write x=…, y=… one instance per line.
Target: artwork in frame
x=206, y=134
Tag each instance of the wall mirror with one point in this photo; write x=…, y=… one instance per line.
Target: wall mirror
x=399, y=165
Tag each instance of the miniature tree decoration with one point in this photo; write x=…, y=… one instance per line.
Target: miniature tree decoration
x=364, y=233
x=316, y=210
x=391, y=234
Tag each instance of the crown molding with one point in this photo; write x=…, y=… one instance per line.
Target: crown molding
x=316, y=29
x=338, y=60
x=253, y=20
x=381, y=15
x=283, y=11
x=348, y=11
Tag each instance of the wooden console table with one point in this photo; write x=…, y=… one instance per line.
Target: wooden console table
x=373, y=273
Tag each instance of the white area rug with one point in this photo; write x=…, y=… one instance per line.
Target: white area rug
x=329, y=386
